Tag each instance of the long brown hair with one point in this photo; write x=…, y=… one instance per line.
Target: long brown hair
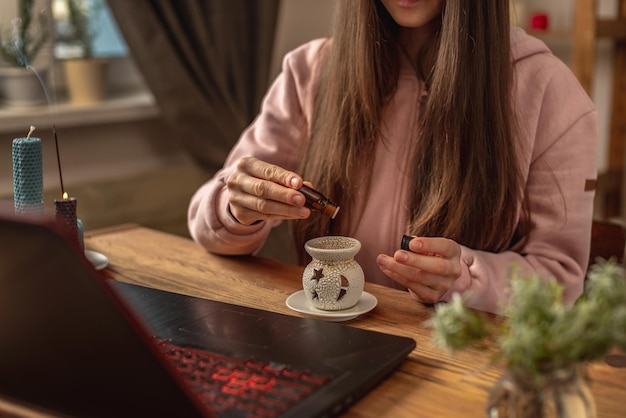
x=466, y=183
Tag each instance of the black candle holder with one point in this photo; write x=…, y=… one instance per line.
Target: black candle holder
x=65, y=210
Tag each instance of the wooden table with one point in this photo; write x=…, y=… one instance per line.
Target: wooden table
x=431, y=383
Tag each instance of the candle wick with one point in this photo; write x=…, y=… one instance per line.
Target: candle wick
x=30, y=131
x=56, y=143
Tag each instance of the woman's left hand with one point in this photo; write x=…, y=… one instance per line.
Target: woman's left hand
x=428, y=270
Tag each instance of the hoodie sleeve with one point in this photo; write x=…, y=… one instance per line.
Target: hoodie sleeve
x=278, y=135
x=558, y=124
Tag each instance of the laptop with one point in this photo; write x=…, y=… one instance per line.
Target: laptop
x=74, y=343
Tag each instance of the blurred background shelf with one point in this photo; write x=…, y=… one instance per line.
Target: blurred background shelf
x=119, y=106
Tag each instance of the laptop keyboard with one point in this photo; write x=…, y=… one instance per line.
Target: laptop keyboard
x=249, y=389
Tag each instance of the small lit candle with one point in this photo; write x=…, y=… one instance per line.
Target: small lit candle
x=28, y=175
x=65, y=210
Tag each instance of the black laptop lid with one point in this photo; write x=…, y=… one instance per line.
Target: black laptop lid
x=65, y=345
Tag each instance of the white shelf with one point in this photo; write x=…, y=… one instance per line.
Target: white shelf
x=122, y=106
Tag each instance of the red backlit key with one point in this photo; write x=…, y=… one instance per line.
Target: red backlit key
x=253, y=389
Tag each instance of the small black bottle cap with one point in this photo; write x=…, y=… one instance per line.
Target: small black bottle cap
x=405, y=242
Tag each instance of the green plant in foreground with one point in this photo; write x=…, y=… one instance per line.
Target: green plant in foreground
x=538, y=332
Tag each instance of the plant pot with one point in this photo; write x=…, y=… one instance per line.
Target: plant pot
x=558, y=393
x=333, y=280
x=23, y=87
x=86, y=80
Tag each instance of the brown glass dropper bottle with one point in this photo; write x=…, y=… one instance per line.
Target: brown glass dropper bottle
x=317, y=201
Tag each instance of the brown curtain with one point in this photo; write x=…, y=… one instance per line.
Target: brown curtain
x=206, y=62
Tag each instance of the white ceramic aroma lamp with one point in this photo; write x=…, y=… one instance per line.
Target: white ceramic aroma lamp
x=333, y=280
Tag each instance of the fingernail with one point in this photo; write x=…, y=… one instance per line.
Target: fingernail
x=401, y=256
x=298, y=199
x=303, y=213
x=294, y=182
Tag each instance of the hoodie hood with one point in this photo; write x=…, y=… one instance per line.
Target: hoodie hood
x=523, y=45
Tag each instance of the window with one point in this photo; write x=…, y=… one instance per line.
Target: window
x=127, y=98
x=107, y=40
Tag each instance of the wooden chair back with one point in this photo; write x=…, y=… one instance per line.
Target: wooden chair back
x=608, y=239
x=589, y=27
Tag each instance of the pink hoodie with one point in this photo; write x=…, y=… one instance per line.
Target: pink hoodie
x=558, y=124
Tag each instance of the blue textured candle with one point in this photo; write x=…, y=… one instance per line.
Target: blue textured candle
x=28, y=176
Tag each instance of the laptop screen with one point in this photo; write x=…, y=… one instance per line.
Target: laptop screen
x=67, y=346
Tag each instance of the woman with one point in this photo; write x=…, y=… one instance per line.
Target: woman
x=431, y=118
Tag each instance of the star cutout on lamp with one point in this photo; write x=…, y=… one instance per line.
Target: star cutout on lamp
x=317, y=274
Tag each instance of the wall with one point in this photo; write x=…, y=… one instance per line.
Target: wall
x=300, y=21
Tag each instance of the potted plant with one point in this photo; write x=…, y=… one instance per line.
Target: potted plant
x=22, y=74
x=545, y=345
x=85, y=75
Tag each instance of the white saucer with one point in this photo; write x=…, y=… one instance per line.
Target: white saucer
x=299, y=303
x=98, y=260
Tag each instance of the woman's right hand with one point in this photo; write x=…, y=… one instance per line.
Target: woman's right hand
x=260, y=191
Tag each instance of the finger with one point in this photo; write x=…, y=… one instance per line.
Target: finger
x=248, y=209
x=248, y=217
x=423, y=293
x=440, y=246
x=403, y=268
x=248, y=193
x=432, y=267
x=239, y=184
x=273, y=173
